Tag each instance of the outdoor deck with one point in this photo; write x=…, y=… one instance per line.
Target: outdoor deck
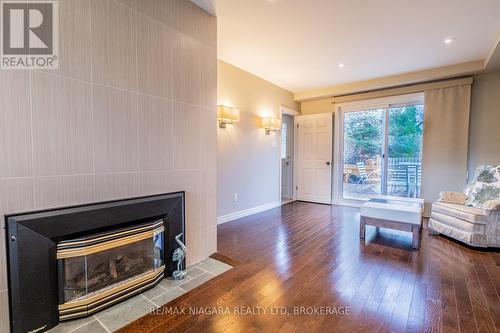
x=403, y=179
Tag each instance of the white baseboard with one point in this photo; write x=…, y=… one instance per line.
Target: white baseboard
x=247, y=212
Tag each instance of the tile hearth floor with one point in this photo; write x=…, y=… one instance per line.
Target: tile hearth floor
x=121, y=314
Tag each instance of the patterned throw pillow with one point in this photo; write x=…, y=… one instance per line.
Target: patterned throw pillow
x=470, y=186
x=485, y=186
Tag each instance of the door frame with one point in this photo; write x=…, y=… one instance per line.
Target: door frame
x=338, y=144
x=294, y=114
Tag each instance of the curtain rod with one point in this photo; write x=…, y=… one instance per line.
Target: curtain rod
x=405, y=89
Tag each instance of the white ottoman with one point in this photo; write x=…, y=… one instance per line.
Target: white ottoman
x=403, y=214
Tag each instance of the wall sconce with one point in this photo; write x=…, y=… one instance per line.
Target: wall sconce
x=227, y=115
x=271, y=124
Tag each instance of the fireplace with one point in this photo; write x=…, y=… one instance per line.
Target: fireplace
x=102, y=269
x=72, y=262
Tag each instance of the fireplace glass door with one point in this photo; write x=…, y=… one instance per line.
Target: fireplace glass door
x=102, y=269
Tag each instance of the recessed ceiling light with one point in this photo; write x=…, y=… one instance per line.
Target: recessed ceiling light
x=449, y=40
x=341, y=65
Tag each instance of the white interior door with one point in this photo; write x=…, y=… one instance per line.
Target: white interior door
x=314, y=157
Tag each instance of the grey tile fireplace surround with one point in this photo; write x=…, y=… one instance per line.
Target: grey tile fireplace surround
x=126, y=67
x=124, y=313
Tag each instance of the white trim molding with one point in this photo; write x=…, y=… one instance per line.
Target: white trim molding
x=247, y=212
x=289, y=111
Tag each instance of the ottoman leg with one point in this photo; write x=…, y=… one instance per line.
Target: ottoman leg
x=416, y=236
x=362, y=224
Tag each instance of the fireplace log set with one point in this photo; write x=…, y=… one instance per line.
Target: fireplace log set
x=107, y=268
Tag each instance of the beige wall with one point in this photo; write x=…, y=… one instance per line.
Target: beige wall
x=130, y=112
x=484, y=133
x=317, y=106
x=248, y=159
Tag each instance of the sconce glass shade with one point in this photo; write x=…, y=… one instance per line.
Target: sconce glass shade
x=227, y=115
x=271, y=124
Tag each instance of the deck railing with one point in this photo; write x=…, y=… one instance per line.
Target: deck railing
x=399, y=160
x=403, y=174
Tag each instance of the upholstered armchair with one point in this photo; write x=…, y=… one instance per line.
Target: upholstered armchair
x=472, y=217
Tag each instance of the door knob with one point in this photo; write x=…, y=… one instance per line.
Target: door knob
x=328, y=163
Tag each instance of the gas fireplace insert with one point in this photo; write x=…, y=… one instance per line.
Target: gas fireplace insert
x=99, y=270
x=71, y=262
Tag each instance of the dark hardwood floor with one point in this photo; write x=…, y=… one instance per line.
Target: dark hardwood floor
x=309, y=255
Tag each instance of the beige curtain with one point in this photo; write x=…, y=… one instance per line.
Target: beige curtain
x=446, y=133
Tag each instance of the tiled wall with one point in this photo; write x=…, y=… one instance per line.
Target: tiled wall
x=131, y=111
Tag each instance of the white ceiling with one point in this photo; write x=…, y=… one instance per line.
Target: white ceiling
x=298, y=44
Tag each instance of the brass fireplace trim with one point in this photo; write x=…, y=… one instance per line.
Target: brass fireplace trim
x=80, y=248
x=84, y=307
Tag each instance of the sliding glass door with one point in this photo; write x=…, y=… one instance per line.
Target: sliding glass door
x=363, y=153
x=404, y=150
x=381, y=151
